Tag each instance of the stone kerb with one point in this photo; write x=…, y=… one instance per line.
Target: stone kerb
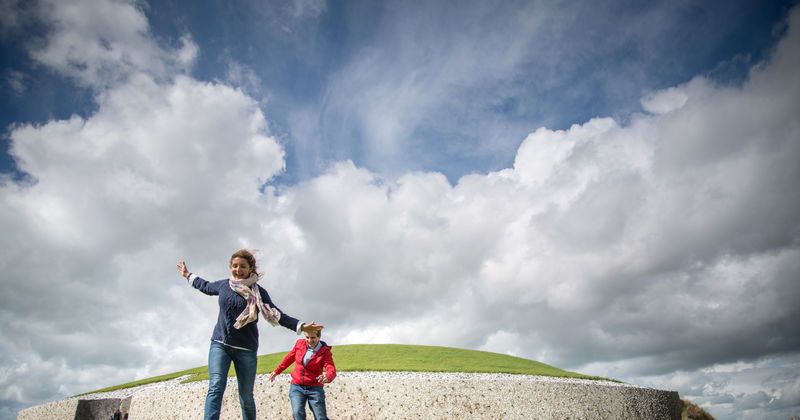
x=76, y=408
x=403, y=395
x=65, y=409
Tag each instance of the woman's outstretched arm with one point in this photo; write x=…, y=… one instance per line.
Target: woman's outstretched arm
x=195, y=281
x=289, y=321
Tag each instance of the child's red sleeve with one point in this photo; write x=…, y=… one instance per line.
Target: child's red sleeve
x=287, y=360
x=330, y=368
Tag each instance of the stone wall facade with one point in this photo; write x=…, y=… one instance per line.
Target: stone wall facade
x=400, y=395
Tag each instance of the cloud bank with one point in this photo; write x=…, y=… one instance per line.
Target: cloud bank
x=662, y=251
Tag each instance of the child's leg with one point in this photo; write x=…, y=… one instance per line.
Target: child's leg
x=316, y=399
x=297, y=396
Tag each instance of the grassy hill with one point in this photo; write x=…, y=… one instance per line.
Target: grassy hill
x=397, y=358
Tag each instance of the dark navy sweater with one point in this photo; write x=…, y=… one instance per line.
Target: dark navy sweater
x=230, y=306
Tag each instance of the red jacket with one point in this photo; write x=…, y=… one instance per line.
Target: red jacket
x=307, y=375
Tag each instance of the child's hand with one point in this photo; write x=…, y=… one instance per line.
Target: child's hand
x=272, y=376
x=322, y=379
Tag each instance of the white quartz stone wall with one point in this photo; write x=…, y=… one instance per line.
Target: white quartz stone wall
x=55, y=410
x=402, y=395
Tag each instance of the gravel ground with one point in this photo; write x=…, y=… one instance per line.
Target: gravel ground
x=404, y=395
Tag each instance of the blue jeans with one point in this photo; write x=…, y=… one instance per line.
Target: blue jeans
x=245, y=362
x=315, y=395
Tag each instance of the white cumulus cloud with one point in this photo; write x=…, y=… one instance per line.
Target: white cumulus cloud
x=654, y=250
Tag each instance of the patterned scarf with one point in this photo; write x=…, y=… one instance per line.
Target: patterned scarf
x=248, y=289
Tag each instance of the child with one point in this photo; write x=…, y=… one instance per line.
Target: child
x=310, y=356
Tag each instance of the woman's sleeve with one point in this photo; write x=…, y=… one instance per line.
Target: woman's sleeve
x=207, y=287
x=286, y=320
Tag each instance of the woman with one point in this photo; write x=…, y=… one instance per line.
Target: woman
x=235, y=336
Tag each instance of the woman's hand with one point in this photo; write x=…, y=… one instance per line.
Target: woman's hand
x=272, y=376
x=183, y=270
x=322, y=379
x=313, y=327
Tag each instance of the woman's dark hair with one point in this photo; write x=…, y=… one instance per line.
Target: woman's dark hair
x=243, y=253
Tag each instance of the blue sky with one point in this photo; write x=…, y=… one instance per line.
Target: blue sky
x=469, y=82
x=609, y=188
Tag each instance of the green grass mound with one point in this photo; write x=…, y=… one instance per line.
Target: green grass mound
x=394, y=358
